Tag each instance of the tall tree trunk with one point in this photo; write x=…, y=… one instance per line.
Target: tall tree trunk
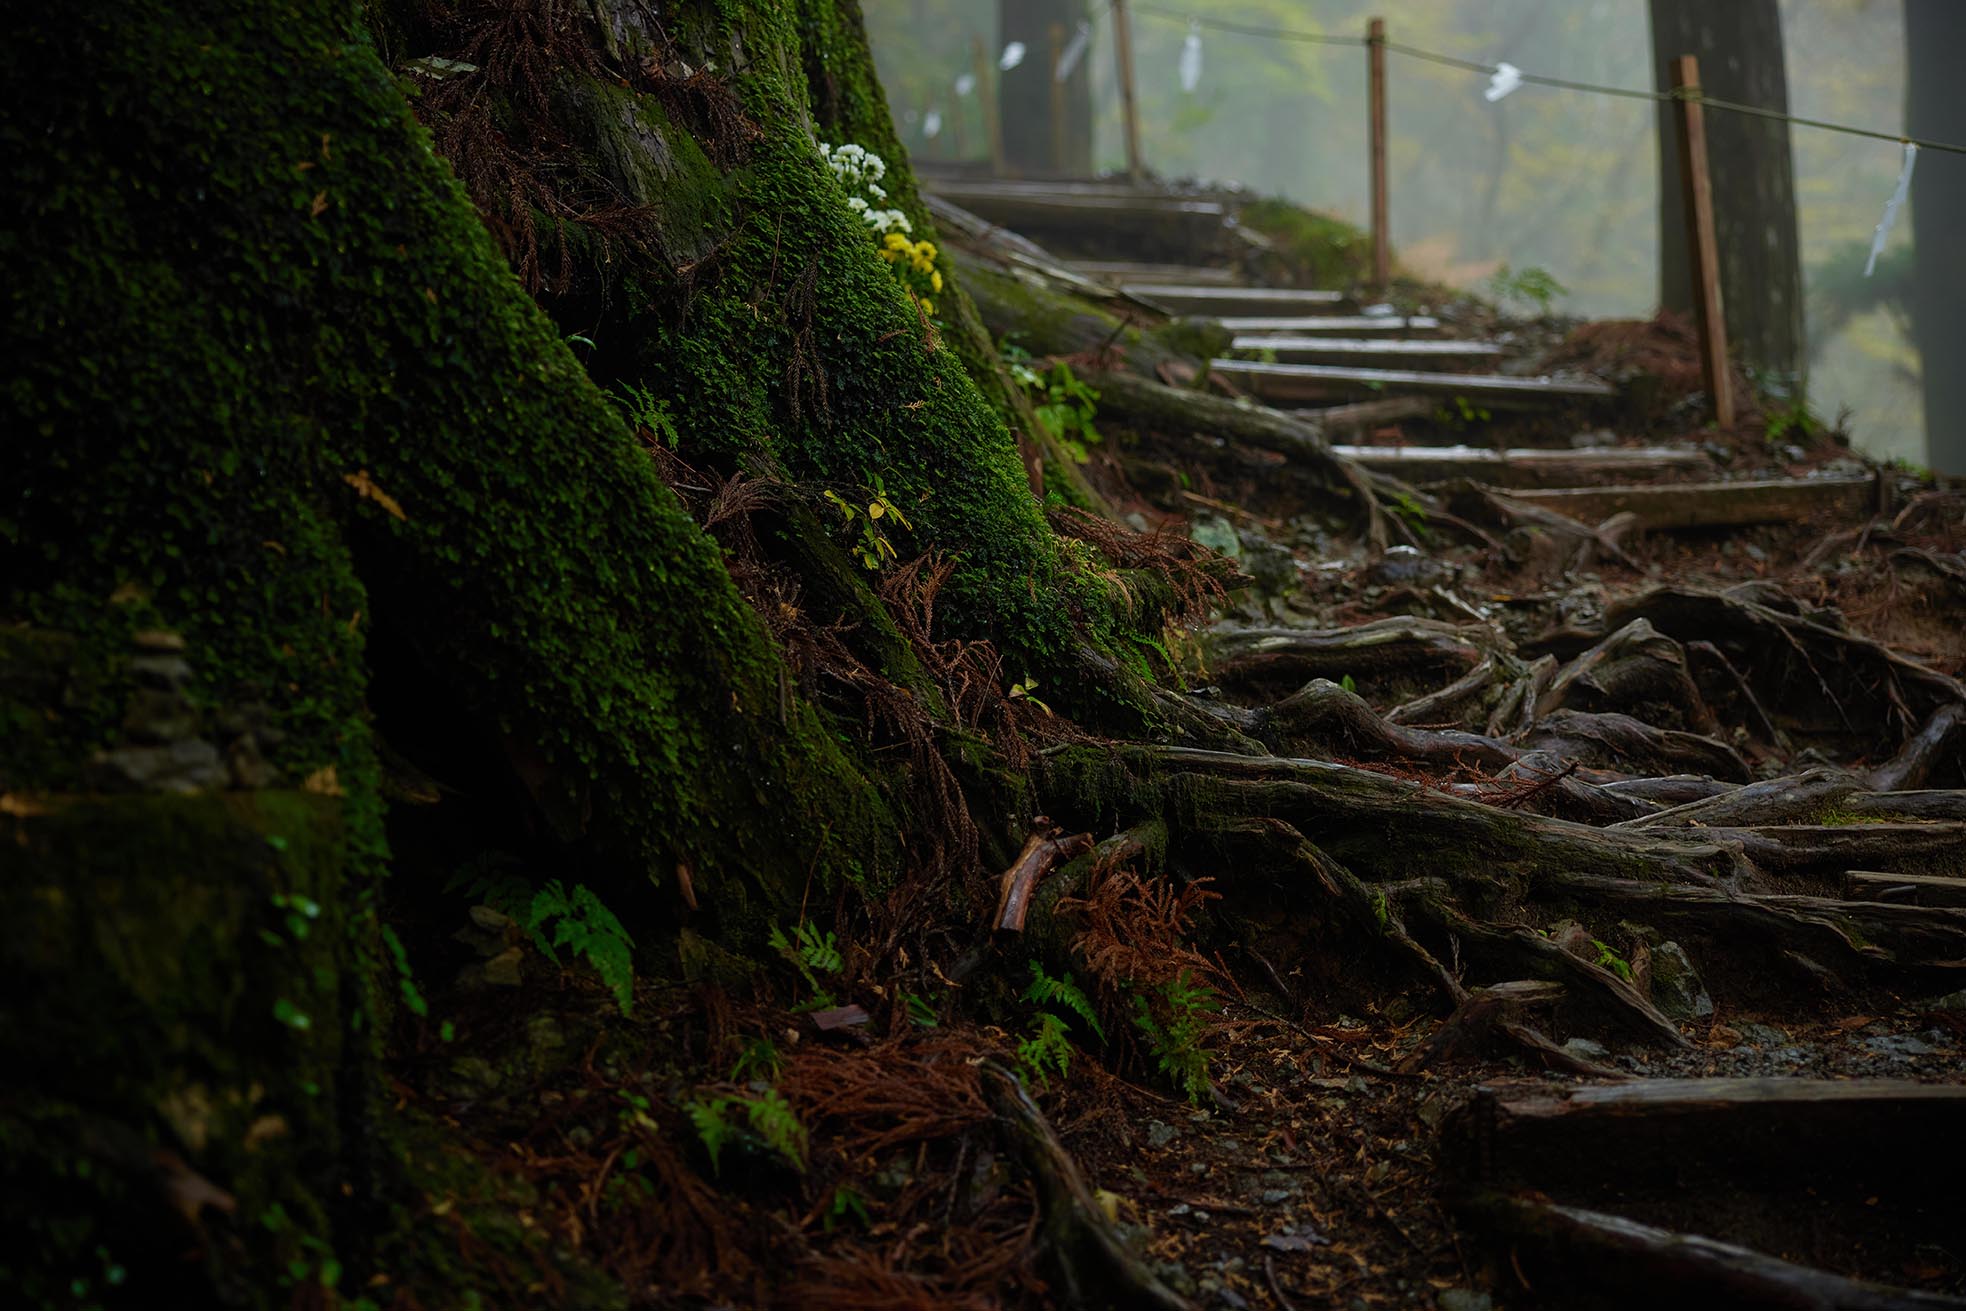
x=1935, y=35
x=1739, y=45
x=298, y=454
x=1025, y=96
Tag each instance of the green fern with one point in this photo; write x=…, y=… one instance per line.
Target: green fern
x=1175, y=1035
x=1047, y=991
x=576, y=918
x=580, y=921
x=764, y=1122
x=758, y=1060
x=811, y=954
x=1047, y=1051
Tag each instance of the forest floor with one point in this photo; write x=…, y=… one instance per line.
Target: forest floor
x=1316, y=1164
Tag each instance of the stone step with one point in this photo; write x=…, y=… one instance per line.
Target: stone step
x=1424, y=351
x=1528, y=467
x=1336, y=324
x=1290, y=383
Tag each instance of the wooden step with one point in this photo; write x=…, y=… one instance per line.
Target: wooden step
x=1362, y=350
x=1302, y=382
x=1123, y=273
x=1527, y=467
x=1336, y=324
x=1191, y=298
x=1715, y=505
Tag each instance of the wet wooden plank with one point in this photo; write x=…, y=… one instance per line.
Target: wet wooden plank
x=1302, y=382
x=1337, y=324
x=1125, y=272
x=1365, y=350
x=1526, y=467
x=1715, y=505
x=1192, y=298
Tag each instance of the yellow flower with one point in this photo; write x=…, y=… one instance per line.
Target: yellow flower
x=928, y=306
x=935, y=280
x=926, y=249
x=896, y=241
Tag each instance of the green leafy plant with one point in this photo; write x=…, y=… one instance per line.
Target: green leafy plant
x=920, y=1012
x=761, y=1122
x=870, y=544
x=847, y=1203
x=646, y=411
x=1791, y=422
x=1174, y=1021
x=1412, y=514
x=1065, y=404
x=1062, y=996
x=758, y=1060
x=810, y=952
x=1349, y=684
x=1611, y=960
x=1047, y=1050
x=412, y=998
x=1532, y=286
x=1024, y=690
x=576, y=918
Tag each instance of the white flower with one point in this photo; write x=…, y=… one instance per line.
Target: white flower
x=878, y=193
x=856, y=204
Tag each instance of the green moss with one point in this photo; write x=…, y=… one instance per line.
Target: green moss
x=1309, y=248
x=186, y=958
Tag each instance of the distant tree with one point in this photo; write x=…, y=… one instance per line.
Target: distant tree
x=1739, y=45
x=1024, y=98
x=1935, y=33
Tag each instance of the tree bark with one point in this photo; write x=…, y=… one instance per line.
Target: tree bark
x=1025, y=95
x=1935, y=33
x=1739, y=45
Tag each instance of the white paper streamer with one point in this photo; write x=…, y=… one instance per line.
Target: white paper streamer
x=1013, y=55
x=1505, y=78
x=1891, y=208
x=965, y=84
x=1191, y=59
x=932, y=124
x=1068, y=58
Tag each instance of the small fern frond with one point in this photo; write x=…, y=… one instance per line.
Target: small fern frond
x=1047, y=991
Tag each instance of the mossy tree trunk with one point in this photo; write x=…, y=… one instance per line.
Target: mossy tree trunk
x=280, y=410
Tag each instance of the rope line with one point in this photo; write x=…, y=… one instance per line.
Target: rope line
x=1537, y=79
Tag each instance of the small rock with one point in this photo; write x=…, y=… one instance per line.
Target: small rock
x=1464, y=1299
x=1160, y=1135
x=157, y=639
x=1593, y=439
x=1198, y=1167
x=191, y=765
x=1217, y=534
x=1764, y=1035
x=1899, y=1046
x=1137, y=521
x=1274, y=1196
x=1952, y=1001
x=1296, y=1239
x=1587, y=1049
x=1676, y=987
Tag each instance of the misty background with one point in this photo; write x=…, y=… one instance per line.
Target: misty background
x=1559, y=180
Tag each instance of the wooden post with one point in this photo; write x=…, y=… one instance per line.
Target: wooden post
x=1129, y=113
x=1375, y=86
x=1057, y=34
x=1705, y=262
x=986, y=96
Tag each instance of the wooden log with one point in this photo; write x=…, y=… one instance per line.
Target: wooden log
x=1717, y=505
x=1906, y=805
x=1305, y=382
x=1925, y=749
x=1042, y=852
x=1915, y=889
x=1795, y=797
x=1375, y=88
x=1674, y=1134
x=1136, y=167
x=1306, y=325
x=1698, y=187
x=1363, y=414
x=1512, y=468
x=1399, y=644
x=1152, y=406
x=1604, y=1260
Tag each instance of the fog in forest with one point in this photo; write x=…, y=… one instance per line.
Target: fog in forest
x=1560, y=180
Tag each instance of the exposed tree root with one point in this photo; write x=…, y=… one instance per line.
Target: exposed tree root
x=1274, y=657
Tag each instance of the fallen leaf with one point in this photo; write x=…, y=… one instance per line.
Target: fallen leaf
x=365, y=486
x=840, y=1017
x=319, y=206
